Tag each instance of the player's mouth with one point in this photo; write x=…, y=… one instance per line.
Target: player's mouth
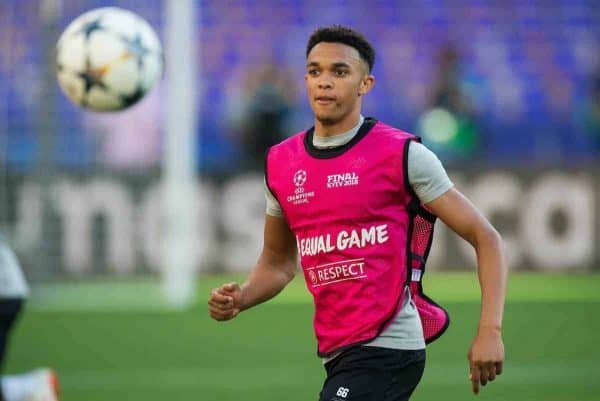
x=325, y=100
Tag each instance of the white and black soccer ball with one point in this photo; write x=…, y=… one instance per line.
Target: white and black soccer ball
x=107, y=59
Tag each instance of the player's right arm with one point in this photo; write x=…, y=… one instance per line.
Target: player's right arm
x=275, y=268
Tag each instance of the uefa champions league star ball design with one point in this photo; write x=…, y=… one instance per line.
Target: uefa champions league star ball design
x=107, y=59
x=300, y=178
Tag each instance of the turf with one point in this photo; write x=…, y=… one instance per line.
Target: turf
x=105, y=350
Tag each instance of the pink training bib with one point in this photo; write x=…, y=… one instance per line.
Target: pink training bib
x=350, y=210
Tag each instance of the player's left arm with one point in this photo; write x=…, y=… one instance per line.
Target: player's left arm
x=486, y=355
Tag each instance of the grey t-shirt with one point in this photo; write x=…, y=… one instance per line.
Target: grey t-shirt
x=429, y=180
x=12, y=281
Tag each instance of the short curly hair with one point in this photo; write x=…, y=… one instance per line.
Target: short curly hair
x=347, y=36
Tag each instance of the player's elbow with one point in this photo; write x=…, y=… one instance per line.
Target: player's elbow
x=289, y=270
x=487, y=236
x=283, y=270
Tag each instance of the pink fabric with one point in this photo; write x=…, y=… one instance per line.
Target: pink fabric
x=349, y=215
x=434, y=318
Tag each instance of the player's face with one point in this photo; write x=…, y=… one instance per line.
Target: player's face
x=336, y=78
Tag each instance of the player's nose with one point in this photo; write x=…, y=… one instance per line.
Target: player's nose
x=325, y=84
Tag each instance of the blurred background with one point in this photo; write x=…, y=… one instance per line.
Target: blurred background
x=507, y=93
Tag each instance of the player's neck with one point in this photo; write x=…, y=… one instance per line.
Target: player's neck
x=340, y=127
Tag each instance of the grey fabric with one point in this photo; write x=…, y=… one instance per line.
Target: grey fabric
x=12, y=281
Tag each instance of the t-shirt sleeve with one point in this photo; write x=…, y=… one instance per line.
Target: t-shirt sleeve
x=273, y=206
x=426, y=174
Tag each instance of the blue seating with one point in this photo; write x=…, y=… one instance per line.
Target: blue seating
x=526, y=69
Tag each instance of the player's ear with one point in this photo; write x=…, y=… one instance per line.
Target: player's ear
x=366, y=84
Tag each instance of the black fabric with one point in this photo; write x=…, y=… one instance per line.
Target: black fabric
x=9, y=311
x=373, y=374
x=318, y=153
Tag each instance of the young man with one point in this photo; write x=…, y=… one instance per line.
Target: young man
x=36, y=385
x=343, y=196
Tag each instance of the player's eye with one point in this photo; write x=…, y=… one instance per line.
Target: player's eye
x=313, y=73
x=341, y=73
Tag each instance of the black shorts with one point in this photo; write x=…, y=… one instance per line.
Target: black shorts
x=373, y=374
x=9, y=310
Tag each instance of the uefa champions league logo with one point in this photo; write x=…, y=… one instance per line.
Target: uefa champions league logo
x=300, y=178
x=300, y=195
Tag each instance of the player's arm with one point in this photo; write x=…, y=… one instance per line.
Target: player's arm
x=275, y=268
x=486, y=354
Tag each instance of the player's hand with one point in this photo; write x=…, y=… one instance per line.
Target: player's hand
x=224, y=303
x=486, y=357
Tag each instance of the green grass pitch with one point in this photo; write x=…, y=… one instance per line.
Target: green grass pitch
x=115, y=342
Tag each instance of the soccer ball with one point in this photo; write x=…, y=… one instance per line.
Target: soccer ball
x=107, y=59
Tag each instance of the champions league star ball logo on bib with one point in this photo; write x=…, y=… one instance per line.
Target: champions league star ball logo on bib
x=300, y=195
x=300, y=178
